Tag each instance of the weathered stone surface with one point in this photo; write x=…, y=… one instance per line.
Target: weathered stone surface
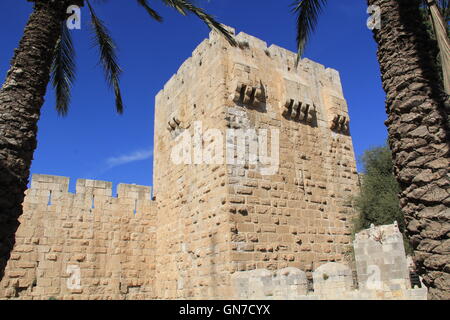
x=380, y=259
x=382, y=273
x=251, y=87
x=86, y=234
x=222, y=223
x=332, y=279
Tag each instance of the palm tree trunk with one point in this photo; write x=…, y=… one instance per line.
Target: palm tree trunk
x=21, y=98
x=418, y=137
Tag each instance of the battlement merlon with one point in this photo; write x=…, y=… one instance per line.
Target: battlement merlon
x=133, y=191
x=284, y=56
x=287, y=58
x=49, y=182
x=86, y=186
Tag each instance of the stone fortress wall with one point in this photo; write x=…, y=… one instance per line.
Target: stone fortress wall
x=299, y=216
x=106, y=242
x=211, y=223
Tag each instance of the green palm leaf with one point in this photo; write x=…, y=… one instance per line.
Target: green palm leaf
x=150, y=11
x=63, y=70
x=185, y=6
x=307, y=13
x=108, y=57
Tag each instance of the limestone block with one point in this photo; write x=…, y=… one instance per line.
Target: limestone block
x=380, y=259
x=91, y=188
x=249, y=95
x=336, y=110
x=290, y=283
x=332, y=278
x=254, y=284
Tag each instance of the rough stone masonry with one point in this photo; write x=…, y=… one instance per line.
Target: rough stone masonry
x=206, y=222
x=214, y=220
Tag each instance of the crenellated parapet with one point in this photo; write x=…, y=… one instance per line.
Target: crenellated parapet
x=89, y=194
x=261, y=77
x=83, y=245
x=304, y=92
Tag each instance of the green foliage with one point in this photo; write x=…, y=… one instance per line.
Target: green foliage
x=307, y=12
x=108, y=58
x=63, y=67
x=63, y=70
x=378, y=201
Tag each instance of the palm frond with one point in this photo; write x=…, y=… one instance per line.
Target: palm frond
x=108, y=57
x=63, y=70
x=307, y=13
x=150, y=11
x=178, y=5
x=185, y=6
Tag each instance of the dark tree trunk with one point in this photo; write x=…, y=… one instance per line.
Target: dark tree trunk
x=21, y=99
x=417, y=111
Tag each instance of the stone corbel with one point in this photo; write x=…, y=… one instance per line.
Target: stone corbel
x=174, y=123
x=311, y=113
x=298, y=110
x=340, y=123
x=288, y=106
x=303, y=111
x=249, y=95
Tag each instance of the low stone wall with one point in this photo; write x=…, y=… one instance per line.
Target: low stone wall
x=291, y=284
x=382, y=273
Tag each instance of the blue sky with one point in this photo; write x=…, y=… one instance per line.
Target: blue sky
x=94, y=142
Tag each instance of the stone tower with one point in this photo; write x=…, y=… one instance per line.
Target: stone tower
x=219, y=212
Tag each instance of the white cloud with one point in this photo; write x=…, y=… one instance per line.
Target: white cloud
x=128, y=158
